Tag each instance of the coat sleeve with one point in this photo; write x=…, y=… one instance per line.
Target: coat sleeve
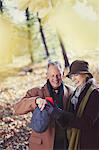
x=87, y=120
x=62, y=117
x=27, y=103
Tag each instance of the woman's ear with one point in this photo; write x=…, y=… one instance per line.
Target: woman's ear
x=87, y=77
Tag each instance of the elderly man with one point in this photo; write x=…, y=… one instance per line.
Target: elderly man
x=53, y=138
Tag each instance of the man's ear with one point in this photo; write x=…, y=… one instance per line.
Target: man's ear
x=47, y=76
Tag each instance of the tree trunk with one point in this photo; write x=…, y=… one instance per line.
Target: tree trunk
x=66, y=61
x=1, y=7
x=43, y=38
x=29, y=33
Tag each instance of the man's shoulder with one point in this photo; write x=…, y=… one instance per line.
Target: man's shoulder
x=36, y=90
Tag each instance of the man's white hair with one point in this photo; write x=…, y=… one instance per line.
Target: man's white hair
x=55, y=63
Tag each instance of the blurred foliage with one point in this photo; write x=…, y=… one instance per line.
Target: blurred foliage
x=78, y=31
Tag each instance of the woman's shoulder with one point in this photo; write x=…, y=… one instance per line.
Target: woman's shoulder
x=95, y=92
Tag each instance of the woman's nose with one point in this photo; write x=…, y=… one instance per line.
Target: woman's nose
x=73, y=78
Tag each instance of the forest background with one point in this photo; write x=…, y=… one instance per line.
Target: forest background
x=31, y=34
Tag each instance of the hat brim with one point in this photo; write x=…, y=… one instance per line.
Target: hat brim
x=80, y=72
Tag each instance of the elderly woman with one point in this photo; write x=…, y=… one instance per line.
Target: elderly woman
x=82, y=117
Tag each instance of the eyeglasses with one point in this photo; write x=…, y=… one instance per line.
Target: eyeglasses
x=73, y=75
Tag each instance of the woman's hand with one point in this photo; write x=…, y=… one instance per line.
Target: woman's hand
x=41, y=103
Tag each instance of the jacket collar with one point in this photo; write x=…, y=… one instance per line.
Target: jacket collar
x=65, y=95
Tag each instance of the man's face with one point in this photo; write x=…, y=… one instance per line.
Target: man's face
x=54, y=75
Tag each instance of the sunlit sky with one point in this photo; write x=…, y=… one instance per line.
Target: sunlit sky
x=85, y=11
x=19, y=16
x=12, y=8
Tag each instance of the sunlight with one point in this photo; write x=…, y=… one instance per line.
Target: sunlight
x=17, y=16
x=86, y=11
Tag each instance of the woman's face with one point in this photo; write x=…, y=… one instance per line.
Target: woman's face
x=79, y=79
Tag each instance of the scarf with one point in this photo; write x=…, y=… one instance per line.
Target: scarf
x=57, y=97
x=74, y=99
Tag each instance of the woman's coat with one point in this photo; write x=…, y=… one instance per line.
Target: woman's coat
x=88, y=123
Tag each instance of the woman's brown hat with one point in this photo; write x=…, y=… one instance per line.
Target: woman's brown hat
x=79, y=66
